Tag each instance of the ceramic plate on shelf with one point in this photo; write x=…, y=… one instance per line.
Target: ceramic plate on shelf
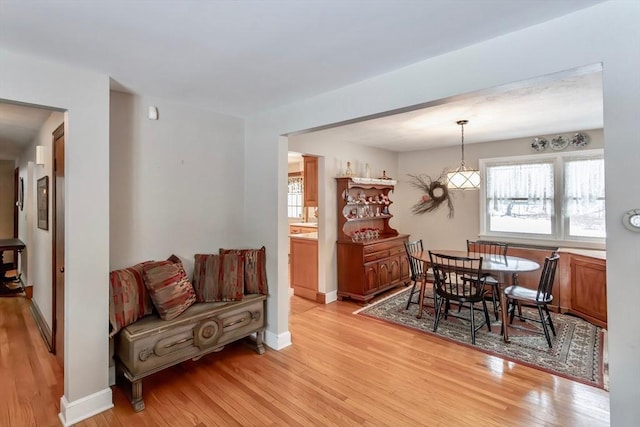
x=540, y=144
x=559, y=142
x=580, y=140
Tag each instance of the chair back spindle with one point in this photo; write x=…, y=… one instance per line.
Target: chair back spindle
x=459, y=280
x=486, y=247
x=451, y=276
x=545, y=286
x=415, y=265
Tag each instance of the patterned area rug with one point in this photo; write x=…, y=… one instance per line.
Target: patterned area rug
x=577, y=352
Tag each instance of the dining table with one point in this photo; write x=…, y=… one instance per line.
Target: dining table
x=502, y=267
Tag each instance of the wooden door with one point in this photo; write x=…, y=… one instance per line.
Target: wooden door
x=58, y=244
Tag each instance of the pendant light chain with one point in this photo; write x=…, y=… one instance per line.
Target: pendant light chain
x=462, y=123
x=462, y=126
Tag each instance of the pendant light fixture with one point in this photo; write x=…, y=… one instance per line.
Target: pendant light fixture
x=464, y=177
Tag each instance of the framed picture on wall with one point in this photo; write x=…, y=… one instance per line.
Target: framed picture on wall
x=43, y=203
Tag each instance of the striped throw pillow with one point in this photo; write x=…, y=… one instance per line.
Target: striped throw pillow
x=206, y=272
x=255, y=269
x=128, y=297
x=169, y=287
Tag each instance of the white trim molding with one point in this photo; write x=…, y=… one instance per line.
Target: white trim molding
x=277, y=342
x=81, y=409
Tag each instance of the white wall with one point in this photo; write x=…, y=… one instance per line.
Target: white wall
x=176, y=182
x=85, y=97
x=606, y=33
x=333, y=159
x=435, y=228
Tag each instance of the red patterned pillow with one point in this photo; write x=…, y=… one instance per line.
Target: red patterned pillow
x=206, y=272
x=170, y=288
x=219, y=277
x=231, y=277
x=128, y=297
x=255, y=269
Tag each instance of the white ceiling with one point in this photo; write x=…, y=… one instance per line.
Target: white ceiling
x=242, y=57
x=561, y=103
x=19, y=125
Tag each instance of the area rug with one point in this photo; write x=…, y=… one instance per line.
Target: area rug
x=577, y=352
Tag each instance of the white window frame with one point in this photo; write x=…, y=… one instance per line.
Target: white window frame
x=559, y=222
x=299, y=176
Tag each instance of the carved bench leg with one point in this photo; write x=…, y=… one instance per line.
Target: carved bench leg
x=257, y=342
x=136, y=388
x=259, y=339
x=136, y=396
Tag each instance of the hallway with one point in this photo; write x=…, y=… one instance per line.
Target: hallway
x=30, y=378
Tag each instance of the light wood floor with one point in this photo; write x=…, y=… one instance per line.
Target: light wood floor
x=341, y=370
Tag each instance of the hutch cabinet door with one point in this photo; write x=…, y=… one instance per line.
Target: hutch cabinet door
x=394, y=270
x=384, y=273
x=371, y=283
x=404, y=267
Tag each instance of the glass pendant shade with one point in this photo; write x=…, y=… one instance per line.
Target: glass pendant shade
x=463, y=177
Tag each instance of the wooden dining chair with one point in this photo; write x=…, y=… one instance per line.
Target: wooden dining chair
x=420, y=276
x=540, y=298
x=452, y=284
x=415, y=269
x=492, y=249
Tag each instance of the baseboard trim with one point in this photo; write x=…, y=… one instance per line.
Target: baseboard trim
x=277, y=342
x=45, y=332
x=112, y=375
x=86, y=407
x=330, y=297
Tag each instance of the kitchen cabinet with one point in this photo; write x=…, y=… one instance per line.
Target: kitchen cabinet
x=371, y=254
x=310, y=193
x=583, y=279
x=304, y=267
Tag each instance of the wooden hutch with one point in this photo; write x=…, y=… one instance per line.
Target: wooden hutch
x=371, y=254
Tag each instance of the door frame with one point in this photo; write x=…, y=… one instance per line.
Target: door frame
x=57, y=133
x=16, y=210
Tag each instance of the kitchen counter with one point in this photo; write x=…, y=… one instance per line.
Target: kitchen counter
x=305, y=224
x=306, y=236
x=585, y=252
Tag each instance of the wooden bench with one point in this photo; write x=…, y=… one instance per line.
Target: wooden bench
x=152, y=344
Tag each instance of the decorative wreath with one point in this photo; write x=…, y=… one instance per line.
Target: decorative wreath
x=436, y=194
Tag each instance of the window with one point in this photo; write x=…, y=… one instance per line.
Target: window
x=584, y=197
x=294, y=197
x=550, y=197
